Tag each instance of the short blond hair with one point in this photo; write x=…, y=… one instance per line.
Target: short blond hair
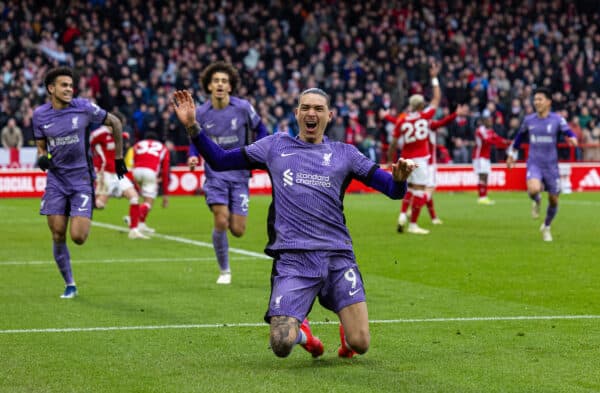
x=415, y=101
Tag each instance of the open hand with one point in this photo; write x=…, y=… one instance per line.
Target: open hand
x=184, y=107
x=434, y=69
x=192, y=162
x=402, y=169
x=510, y=162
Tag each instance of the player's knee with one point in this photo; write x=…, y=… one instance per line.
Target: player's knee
x=221, y=225
x=359, y=340
x=284, y=332
x=79, y=238
x=222, y=222
x=238, y=230
x=281, y=347
x=58, y=237
x=533, y=189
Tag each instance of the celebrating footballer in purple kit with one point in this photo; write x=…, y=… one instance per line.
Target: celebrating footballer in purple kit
x=543, y=129
x=61, y=132
x=231, y=122
x=308, y=238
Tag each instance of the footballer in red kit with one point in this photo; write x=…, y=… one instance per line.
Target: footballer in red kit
x=414, y=130
x=485, y=138
x=151, y=164
x=108, y=184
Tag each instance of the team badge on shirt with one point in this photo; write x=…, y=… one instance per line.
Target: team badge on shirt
x=288, y=178
x=74, y=122
x=326, y=159
x=234, y=123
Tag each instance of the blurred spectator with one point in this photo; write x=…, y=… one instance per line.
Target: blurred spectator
x=591, y=136
x=371, y=146
x=336, y=130
x=460, y=140
x=355, y=132
x=12, y=136
x=284, y=126
x=577, y=130
x=584, y=118
x=12, y=139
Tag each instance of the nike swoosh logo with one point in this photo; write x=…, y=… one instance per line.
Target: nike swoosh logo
x=352, y=293
x=210, y=125
x=287, y=154
x=46, y=126
x=81, y=210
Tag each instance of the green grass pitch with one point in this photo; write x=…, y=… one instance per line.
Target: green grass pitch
x=482, y=304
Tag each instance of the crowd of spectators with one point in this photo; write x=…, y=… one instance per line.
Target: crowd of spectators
x=370, y=56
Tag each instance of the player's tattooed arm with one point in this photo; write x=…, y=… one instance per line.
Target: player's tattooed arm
x=43, y=160
x=117, y=130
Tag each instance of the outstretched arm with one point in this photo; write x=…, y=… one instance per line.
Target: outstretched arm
x=434, y=70
x=435, y=124
x=512, y=153
x=393, y=185
x=192, y=160
x=217, y=158
x=116, y=126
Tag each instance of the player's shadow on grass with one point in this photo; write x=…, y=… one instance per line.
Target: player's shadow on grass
x=327, y=360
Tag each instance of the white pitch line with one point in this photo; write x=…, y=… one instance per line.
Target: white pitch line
x=183, y=240
x=563, y=200
x=123, y=260
x=242, y=325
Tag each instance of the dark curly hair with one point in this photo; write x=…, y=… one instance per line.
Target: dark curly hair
x=55, y=73
x=220, y=66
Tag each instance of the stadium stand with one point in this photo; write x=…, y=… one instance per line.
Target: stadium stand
x=369, y=55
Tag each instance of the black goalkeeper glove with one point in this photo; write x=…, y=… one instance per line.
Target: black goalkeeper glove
x=120, y=167
x=44, y=162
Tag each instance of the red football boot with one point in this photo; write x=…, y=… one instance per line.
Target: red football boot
x=313, y=344
x=344, y=352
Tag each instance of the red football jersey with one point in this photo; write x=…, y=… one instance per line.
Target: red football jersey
x=484, y=139
x=414, y=130
x=152, y=154
x=149, y=153
x=102, y=143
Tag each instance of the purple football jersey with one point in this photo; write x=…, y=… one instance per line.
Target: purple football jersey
x=543, y=137
x=229, y=128
x=309, y=181
x=65, y=132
